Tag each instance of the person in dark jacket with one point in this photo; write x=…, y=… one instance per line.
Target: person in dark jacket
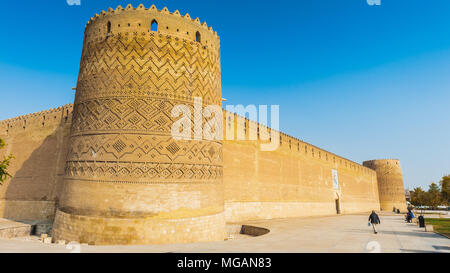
x=374, y=220
x=409, y=216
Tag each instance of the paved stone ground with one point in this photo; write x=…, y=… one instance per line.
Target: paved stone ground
x=337, y=234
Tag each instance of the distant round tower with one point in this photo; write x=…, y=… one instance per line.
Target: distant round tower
x=390, y=183
x=127, y=181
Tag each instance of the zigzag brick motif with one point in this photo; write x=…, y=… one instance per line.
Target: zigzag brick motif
x=143, y=172
x=130, y=85
x=146, y=148
x=149, y=65
x=145, y=115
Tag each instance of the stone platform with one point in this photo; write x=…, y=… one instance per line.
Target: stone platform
x=12, y=229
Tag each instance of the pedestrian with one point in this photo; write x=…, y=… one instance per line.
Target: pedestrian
x=374, y=220
x=411, y=216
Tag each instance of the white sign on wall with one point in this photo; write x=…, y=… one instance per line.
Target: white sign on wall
x=334, y=174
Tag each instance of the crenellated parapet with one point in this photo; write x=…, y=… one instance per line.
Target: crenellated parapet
x=36, y=120
x=138, y=21
x=291, y=145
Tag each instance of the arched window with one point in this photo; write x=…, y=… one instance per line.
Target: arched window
x=198, y=37
x=109, y=27
x=154, y=26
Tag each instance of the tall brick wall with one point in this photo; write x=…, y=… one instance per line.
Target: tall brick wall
x=39, y=143
x=293, y=181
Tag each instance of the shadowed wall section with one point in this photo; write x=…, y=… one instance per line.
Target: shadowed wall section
x=39, y=143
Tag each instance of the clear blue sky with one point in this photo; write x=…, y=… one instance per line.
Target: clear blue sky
x=365, y=82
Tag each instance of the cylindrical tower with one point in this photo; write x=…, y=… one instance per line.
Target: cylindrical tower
x=390, y=183
x=127, y=180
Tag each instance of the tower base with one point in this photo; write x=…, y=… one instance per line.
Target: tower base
x=389, y=206
x=138, y=231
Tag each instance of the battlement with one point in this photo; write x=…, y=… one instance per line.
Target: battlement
x=383, y=160
x=41, y=119
x=139, y=20
x=381, y=163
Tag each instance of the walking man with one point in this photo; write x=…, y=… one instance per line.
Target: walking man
x=374, y=220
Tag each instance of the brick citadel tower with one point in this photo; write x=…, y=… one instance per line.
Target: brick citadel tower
x=126, y=179
x=390, y=183
x=108, y=171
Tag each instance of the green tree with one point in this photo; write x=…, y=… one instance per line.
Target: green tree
x=418, y=197
x=445, y=189
x=4, y=164
x=433, y=198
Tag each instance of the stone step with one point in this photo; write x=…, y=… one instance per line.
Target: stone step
x=13, y=229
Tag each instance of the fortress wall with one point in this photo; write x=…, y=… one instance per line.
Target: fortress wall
x=293, y=181
x=39, y=143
